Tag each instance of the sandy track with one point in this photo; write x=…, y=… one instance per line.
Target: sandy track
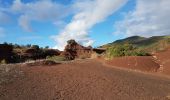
x=84, y=80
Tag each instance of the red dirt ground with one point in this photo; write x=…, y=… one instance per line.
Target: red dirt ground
x=163, y=58
x=143, y=63
x=84, y=80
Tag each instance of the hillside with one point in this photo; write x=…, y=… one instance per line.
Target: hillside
x=150, y=44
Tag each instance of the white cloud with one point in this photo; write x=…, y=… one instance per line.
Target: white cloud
x=89, y=13
x=42, y=10
x=60, y=24
x=2, y=32
x=28, y=38
x=4, y=18
x=24, y=22
x=150, y=17
x=86, y=14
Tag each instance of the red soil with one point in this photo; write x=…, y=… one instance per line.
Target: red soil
x=163, y=58
x=143, y=63
x=83, y=80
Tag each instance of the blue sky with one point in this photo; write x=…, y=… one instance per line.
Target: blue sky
x=90, y=22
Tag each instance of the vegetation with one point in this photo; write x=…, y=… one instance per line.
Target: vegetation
x=71, y=42
x=55, y=58
x=152, y=44
x=14, y=53
x=3, y=61
x=124, y=50
x=46, y=47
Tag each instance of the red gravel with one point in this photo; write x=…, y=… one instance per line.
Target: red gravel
x=84, y=80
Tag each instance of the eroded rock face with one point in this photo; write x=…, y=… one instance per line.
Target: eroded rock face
x=74, y=50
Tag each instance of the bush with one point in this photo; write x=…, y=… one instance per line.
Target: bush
x=139, y=52
x=119, y=50
x=83, y=56
x=124, y=50
x=3, y=61
x=56, y=58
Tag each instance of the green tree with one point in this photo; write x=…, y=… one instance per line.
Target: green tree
x=47, y=47
x=28, y=45
x=35, y=47
x=5, y=43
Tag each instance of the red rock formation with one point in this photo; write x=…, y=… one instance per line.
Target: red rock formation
x=74, y=50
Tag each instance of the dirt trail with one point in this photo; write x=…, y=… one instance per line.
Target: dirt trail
x=84, y=80
x=163, y=58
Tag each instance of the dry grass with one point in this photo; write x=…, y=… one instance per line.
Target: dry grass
x=56, y=58
x=8, y=73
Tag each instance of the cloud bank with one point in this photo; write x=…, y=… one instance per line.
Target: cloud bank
x=89, y=13
x=150, y=17
x=85, y=14
x=41, y=10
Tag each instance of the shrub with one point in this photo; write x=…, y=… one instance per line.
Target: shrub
x=124, y=50
x=3, y=61
x=139, y=52
x=56, y=58
x=119, y=50
x=83, y=57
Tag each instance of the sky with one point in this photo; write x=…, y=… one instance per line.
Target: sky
x=90, y=22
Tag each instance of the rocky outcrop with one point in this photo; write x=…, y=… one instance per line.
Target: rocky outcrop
x=74, y=50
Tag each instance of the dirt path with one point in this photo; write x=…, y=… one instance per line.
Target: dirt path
x=84, y=80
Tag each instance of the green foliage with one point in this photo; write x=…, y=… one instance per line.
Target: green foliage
x=150, y=44
x=47, y=47
x=56, y=58
x=124, y=50
x=3, y=61
x=16, y=46
x=35, y=47
x=71, y=41
x=21, y=53
x=139, y=52
x=28, y=45
x=5, y=43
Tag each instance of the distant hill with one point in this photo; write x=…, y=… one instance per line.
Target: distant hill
x=150, y=44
